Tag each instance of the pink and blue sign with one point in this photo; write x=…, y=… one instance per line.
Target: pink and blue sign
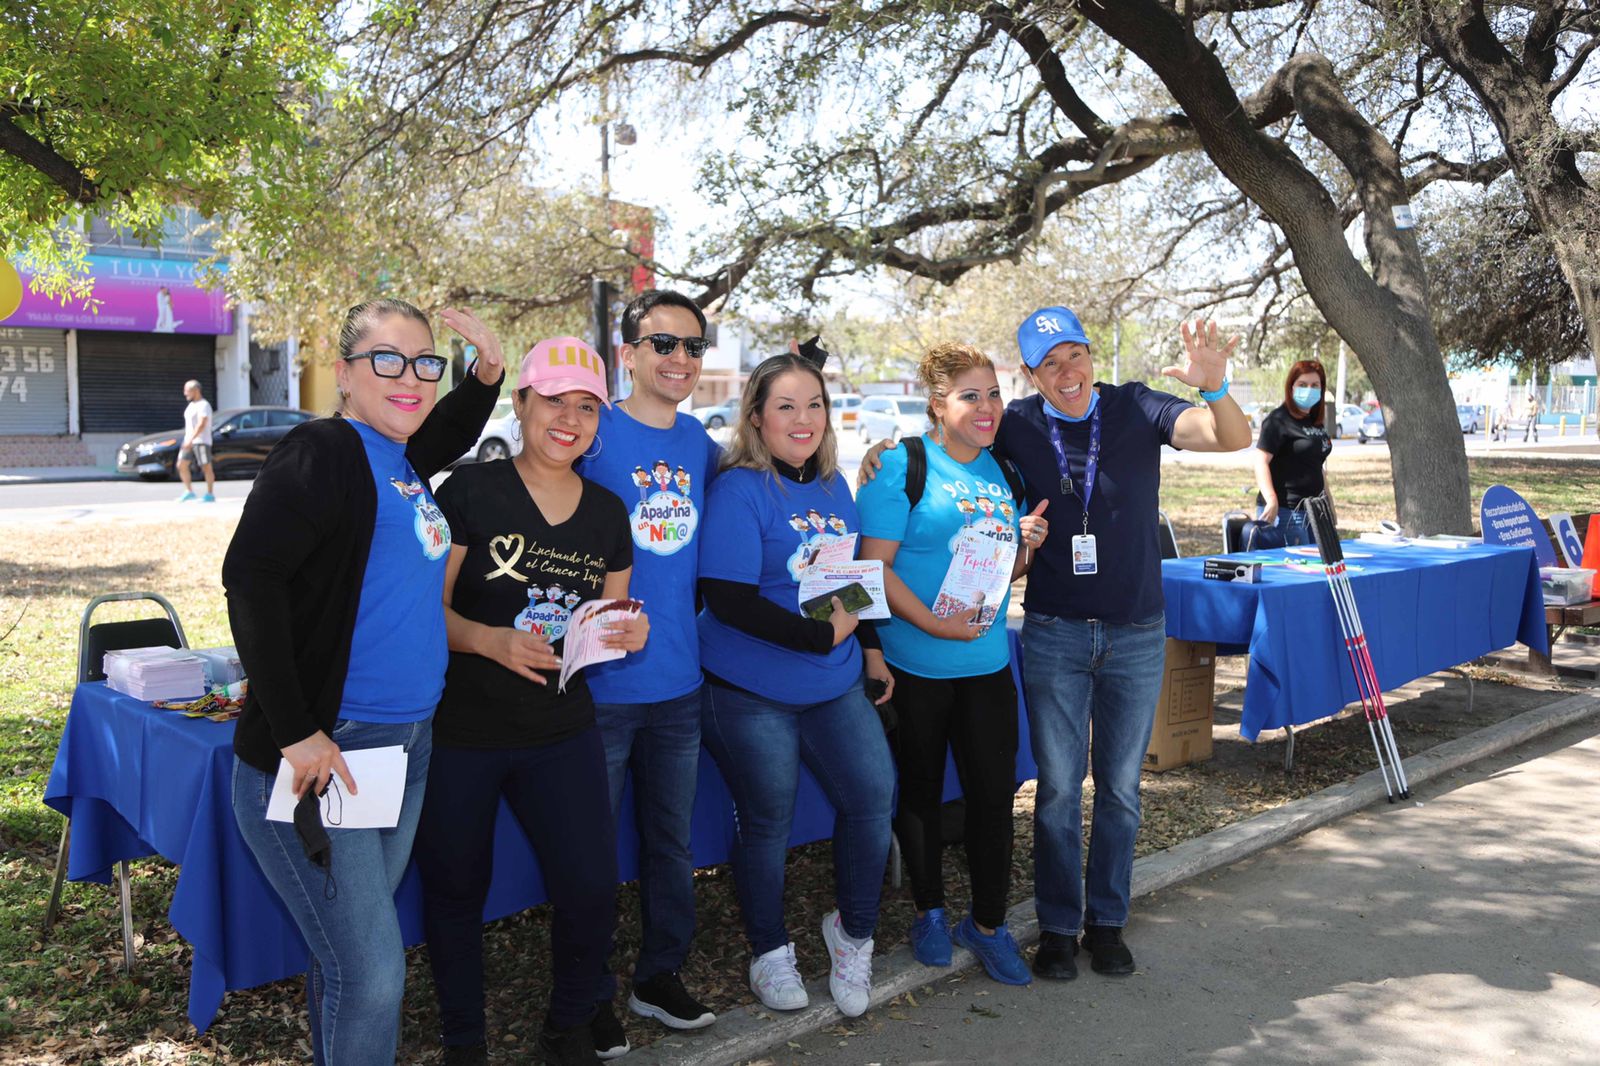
x=140, y=295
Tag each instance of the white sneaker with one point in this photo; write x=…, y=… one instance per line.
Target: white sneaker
x=776, y=980
x=850, y=980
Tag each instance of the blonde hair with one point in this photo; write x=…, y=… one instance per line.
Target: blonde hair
x=747, y=449
x=942, y=364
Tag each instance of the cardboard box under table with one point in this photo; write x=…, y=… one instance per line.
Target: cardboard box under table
x=1182, y=732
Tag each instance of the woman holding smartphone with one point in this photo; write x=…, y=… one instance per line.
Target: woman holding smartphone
x=783, y=688
x=952, y=668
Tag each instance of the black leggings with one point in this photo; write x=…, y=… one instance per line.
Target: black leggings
x=559, y=794
x=976, y=719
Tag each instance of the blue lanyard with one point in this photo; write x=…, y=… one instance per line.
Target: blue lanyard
x=1091, y=465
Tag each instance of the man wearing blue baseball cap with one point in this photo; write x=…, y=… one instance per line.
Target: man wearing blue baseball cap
x=1094, y=632
x=1094, y=635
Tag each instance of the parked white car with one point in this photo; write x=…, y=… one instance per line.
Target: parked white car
x=846, y=408
x=1349, y=421
x=497, y=441
x=892, y=417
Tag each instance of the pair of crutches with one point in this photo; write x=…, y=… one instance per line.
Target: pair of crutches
x=1320, y=519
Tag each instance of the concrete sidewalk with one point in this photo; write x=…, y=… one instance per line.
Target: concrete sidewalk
x=1462, y=927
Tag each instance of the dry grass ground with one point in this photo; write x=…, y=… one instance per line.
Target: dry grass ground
x=66, y=1001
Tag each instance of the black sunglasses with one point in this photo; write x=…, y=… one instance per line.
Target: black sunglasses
x=392, y=364
x=667, y=343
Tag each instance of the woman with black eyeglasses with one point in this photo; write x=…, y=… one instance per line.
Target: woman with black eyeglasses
x=335, y=582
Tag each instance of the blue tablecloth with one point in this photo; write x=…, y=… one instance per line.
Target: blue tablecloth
x=137, y=781
x=1423, y=610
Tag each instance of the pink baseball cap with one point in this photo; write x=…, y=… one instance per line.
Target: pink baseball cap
x=562, y=364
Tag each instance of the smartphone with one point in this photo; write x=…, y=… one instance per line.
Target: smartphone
x=854, y=596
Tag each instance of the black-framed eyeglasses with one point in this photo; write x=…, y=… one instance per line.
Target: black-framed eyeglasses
x=388, y=364
x=667, y=343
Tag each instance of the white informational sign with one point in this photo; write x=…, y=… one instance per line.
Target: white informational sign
x=833, y=566
x=979, y=574
x=586, y=632
x=1404, y=216
x=1568, y=543
x=379, y=774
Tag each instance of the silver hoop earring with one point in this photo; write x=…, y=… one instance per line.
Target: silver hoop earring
x=597, y=446
x=516, y=431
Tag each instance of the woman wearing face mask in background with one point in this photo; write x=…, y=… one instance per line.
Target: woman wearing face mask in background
x=1291, y=450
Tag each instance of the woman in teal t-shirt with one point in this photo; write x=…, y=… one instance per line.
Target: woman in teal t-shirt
x=782, y=688
x=947, y=648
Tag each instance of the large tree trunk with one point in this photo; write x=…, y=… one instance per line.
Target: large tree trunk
x=1383, y=316
x=1517, y=93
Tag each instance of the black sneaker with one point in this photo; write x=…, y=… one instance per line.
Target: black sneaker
x=610, y=1042
x=1107, y=953
x=663, y=998
x=570, y=1047
x=1056, y=958
x=466, y=1055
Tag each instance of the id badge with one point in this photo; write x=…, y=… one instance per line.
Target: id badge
x=1084, y=558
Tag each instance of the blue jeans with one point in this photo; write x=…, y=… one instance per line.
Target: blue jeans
x=1291, y=522
x=759, y=745
x=1077, y=672
x=358, y=959
x=660, y=743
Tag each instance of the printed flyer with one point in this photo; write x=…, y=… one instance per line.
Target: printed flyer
x=586, y=630
x=979, y=574
x=833, y=566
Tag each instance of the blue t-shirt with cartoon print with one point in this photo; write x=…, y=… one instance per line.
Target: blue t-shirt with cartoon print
x=401, y=609
x=759, y=530
x=957, y=496
x=661, y=476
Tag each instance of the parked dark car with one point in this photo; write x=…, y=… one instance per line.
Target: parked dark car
x=241, y=437
x=1373, y=427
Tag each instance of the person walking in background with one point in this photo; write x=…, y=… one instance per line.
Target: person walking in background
x=954, y=691
x=1291, y=451
x=783, y=688
x=335, y=581
x=1533, y=409
x=648, y=705
x=504, y=729
x=196, y=446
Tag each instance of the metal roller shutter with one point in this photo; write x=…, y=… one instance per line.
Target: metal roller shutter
x=33, y=381
x=133, y=382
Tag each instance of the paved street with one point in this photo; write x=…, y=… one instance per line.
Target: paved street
x=1463, y=927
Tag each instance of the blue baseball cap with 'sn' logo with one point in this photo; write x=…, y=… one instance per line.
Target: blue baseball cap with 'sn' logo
x=1046, y=328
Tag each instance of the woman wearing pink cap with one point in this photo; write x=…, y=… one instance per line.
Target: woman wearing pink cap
x=504, y=730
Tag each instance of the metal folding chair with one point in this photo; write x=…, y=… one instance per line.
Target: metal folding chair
x=93, y=643
x=1168, y=538
x=1233, y=531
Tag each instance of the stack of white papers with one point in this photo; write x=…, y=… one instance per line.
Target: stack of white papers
x=156, y=673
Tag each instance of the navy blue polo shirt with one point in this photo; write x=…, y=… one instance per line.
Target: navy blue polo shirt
x=1135, y=421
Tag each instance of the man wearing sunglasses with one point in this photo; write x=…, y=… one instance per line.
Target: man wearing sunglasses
x=648, y=704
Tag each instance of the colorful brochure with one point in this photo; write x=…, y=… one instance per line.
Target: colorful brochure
x=979, y=574
x=583, y=646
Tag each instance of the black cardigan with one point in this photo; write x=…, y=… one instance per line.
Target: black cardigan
x=294, y=569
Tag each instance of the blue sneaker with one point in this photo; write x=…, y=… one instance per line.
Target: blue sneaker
x=208, y=498
x=186, y=497
x=930, y=938
x=999, y=953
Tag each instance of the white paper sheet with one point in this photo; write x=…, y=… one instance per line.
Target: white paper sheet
x=380, y=774
x=582, y=646
x=834, y=565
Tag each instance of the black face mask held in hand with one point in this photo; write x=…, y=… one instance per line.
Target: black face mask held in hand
x=314, y=836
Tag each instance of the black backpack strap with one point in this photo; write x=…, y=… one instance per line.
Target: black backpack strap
x=1013, y=476
x=916, y=468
